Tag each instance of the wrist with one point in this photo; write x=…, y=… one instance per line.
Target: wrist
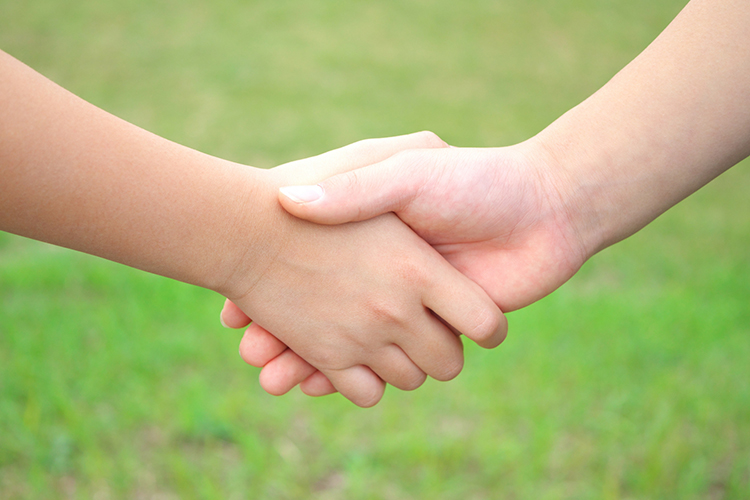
x=255, y=233
x=571, y=192
x=609, y=180
x=567, y=197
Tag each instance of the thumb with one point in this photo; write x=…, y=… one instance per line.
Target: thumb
x=388, y=186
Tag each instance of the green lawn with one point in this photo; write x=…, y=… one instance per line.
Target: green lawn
x=630, y=382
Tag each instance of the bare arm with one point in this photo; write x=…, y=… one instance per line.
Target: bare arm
x=668, y=123
x=356, y=301
x=521, y=220
x=76, y=176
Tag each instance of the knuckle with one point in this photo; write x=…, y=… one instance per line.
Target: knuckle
x=386, y=312
x=428, y=139
x=344, y=181
x=412, y=272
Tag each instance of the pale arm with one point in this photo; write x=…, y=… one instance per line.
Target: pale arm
x=521, y=220
x=668, y=123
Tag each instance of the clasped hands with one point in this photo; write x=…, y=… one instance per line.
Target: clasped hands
x=481, y=231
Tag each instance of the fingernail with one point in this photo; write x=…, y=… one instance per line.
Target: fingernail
x=222, y=322
x=302, y=194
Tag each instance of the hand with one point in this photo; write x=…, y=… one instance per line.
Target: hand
x=495, y=214
x=522, y=220
x=365, y=294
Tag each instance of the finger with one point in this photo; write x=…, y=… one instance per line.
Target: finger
x=317, y=385
x=435, y=349
x=388, y=186
x=463, y=304
x=396, y=368
x=258, y=346
x=356, y=155
x=284, y=372
x=232, y=316
x=359, y=384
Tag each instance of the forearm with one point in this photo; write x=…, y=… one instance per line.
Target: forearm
x=668, y=123
x=76, y=176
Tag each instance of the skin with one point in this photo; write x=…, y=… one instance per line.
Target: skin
x=521, y=220
x=363, y=302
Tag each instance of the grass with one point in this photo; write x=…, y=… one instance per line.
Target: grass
x=629, y=382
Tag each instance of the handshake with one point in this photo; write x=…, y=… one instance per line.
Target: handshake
x=357, y=298
x=388, y=249
x=362, y=266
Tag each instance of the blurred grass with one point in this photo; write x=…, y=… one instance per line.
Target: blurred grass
x=629, y=382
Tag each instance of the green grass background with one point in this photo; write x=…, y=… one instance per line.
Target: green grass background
x=630, y=382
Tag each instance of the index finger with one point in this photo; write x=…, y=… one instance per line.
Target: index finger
x=465, y=306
